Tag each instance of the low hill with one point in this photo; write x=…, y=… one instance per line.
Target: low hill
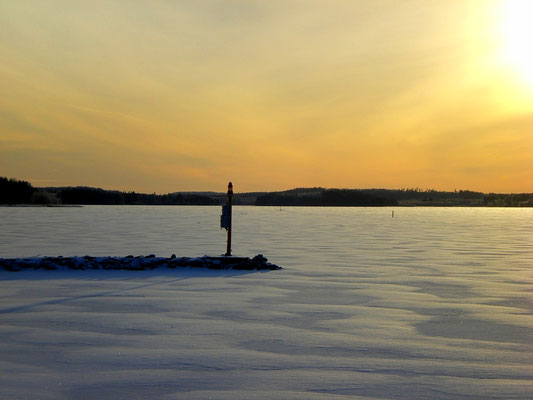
x=13, y=192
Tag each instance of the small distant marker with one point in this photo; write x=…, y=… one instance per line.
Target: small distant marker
x=393, y=214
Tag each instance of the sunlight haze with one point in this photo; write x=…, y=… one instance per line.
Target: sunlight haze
x=162, y=96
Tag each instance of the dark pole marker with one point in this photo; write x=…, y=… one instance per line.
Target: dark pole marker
x=225, y=218
x=230, y=203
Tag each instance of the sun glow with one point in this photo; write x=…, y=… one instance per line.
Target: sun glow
x=517, y=38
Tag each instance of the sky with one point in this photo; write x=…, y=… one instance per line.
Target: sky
x=164, y=96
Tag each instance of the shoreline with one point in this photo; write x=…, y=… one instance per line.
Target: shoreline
x=273, y=206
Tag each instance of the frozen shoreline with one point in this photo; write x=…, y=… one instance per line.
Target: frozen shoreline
x=138, y=263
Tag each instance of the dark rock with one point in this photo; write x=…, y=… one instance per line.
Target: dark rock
x=195, y=263
x=243, y=267
x=12, y=267
x=134, y=268
x=260, y=258
x=48, y=265
x=138, y=263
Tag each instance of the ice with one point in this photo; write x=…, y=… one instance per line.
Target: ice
x=449, y=317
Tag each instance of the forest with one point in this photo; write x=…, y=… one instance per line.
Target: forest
x=13, y=192
x=18, y=192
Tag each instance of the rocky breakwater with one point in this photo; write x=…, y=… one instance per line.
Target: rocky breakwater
x=136, y=263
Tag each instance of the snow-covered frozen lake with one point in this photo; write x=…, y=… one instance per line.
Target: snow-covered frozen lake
x=436, y=303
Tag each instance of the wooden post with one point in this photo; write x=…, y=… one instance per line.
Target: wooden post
x=230, y=201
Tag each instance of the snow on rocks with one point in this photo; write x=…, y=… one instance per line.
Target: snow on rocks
x=136, y=263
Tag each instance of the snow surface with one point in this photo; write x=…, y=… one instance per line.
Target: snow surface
x=429, y=305
x=232, y=335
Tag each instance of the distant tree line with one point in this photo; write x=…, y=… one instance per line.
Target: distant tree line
x=388, y=197
x=509, y=200
x=87, y=195
x=324, y=197
x=14, y=191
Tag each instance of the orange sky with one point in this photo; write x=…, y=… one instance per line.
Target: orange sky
x=159, y=96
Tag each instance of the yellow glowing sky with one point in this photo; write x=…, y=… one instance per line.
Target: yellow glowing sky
x=161, y=96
